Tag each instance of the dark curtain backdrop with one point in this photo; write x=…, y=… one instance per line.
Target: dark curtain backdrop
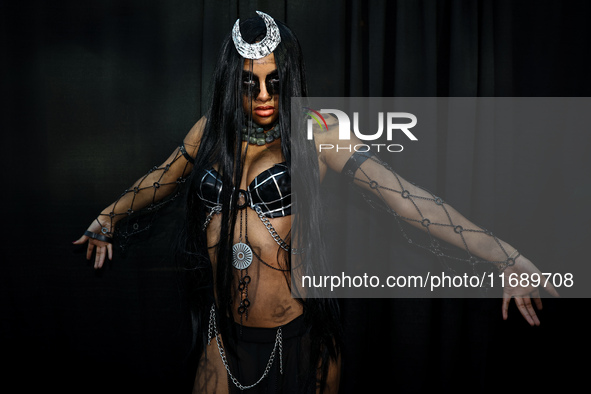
x=94, y=93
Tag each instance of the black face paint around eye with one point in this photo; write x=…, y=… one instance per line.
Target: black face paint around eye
x=272, y=83
x=251, y=85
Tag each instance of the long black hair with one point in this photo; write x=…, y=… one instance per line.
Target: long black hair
x=221, y=145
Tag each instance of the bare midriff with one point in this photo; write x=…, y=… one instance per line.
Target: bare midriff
x=271, y=301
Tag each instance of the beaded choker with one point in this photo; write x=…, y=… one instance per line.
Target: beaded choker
x=258, y=135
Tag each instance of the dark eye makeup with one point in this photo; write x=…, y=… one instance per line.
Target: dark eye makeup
x=251, y=86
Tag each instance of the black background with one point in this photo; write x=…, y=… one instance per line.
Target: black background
x=94, y=93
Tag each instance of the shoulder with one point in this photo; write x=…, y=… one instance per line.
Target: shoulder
x=193, y=137
x=326, y=129
x=332, y=151
x=327, y=132
x=328, y=123
x=197, y=129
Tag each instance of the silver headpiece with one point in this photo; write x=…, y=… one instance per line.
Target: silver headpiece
x=262, y=48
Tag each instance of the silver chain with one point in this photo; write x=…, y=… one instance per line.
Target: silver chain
x=214, y=210
x=213, y=331
x=284, y=245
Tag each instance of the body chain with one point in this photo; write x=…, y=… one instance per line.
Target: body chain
x=213, y=211
x=213, y=331
x=282, y=244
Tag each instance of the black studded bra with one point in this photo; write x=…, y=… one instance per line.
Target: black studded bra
x=270, y=191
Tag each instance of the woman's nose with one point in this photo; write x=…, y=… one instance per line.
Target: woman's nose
x=263, y=93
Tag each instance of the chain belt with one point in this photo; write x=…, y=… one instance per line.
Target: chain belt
x=213, y=331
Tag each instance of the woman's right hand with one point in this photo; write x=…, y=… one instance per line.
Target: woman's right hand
x=103, y=248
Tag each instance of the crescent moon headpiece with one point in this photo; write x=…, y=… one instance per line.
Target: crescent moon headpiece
x=259, y=49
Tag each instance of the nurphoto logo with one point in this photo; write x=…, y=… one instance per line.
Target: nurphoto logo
x=345, y=129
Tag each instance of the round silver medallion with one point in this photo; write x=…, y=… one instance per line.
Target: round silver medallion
x=241, y=256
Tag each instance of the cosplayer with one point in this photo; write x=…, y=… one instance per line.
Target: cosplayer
x=245, y=237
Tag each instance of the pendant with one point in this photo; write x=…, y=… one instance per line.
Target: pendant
x=241, y=256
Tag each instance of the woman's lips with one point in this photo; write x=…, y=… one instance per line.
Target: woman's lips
x=264, y=111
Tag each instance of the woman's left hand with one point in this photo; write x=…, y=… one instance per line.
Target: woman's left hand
x=525, y=278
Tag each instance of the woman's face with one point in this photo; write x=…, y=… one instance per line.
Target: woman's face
x=263, y=84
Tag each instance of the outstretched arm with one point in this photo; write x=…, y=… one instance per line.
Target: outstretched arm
x=154, y=186
x=434, y=216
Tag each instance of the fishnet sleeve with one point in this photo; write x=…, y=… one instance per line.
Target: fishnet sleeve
x=410, y=204
x=158, y=183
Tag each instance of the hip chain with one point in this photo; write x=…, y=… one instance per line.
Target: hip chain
x=213, y=331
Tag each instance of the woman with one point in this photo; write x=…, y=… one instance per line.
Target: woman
x=237, y=161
